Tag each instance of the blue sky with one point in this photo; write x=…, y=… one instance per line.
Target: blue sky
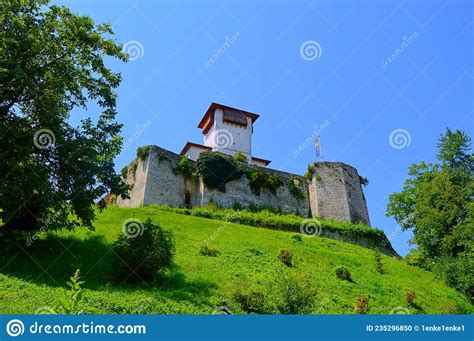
x=380, y=69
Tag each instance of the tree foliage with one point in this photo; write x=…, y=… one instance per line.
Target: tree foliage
x=51, y=63
x=436, y=203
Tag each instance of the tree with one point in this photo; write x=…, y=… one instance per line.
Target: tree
x=436, y=203
x=51, y=63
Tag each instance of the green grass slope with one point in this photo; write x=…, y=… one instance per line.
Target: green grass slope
x=31, y=277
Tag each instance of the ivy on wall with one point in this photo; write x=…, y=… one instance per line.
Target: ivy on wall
x=258, y=180
x=185, y=168
x=295, y=190
x=217, y=169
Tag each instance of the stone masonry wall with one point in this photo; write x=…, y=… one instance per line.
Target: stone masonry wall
x=336, y=193
x=156, y=183
x=239, y=191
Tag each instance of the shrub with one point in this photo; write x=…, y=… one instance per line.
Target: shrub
x=240, y=157
x=237, y=206
x=212, y=205
x=343, y=273
x=362, y=305
x=141, y=257
x=410, y=298
x=251, y=300
x=286, y=257
x=297, y=238
x=378, y=262
x=294, y=293
x=255, y=252
x=208, y=250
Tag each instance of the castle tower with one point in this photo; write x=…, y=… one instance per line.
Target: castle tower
x=335, y=192
x=226, y=130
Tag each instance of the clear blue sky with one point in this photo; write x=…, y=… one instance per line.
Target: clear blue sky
x=426, y=86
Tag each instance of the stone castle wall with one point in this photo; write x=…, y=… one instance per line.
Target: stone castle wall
x=155, y=182
x=335, y=191
x=239, y=191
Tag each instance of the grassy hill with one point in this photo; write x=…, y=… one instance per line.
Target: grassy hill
x=31, y=277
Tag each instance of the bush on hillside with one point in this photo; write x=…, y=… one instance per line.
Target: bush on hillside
x=286, y=257
x=343, y=273
x=251, y=300
x=208, y=250
x=293, y=293
x=410, y=298
x=297, y=238
x=361, y=305
x=142, y=255
x=378, y=262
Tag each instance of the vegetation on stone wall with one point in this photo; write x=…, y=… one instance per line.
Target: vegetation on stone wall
x=185, y=168
x=259, y=180
x=310, y=172
x=217, y=169
x=161, y=156
x=143, y=152
x=295, y=190
x=363, y=181
x=240, y=157
x=133, y=167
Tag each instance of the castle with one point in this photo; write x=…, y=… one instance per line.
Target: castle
x=332, y=191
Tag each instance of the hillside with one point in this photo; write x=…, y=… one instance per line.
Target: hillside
x=31, y=277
